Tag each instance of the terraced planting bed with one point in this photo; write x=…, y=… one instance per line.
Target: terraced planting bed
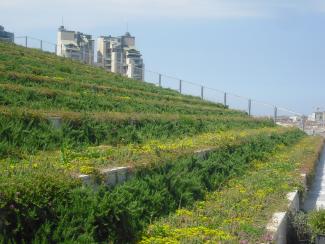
x=241, y=211
x=59, y=119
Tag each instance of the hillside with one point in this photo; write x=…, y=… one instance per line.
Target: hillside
x=94, y=107
x=60, y=118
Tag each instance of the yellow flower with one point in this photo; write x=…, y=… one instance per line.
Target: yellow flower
x=87, y=169
x=183, y=212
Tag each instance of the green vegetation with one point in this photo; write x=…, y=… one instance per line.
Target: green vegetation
x=120, y=214
x=316, y=221
x=308, y=226
x=96, y=107
x=241, y=211
x=60, y=118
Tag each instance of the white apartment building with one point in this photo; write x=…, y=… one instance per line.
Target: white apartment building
x=320, y=116
x=75, y=45
x=119, y=55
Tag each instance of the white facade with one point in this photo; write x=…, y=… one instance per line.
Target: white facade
x=75, y=45
x=119, y=55
x=320, y=116
x=312, y=117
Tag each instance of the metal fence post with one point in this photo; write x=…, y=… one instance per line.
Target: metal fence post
x=56, y=48
x=225, y=99
x=180, y=86
x=25, y=41
x=249, y=107
x=275, y=114
x=160, y=80
x=41, y=44
x=202, y=88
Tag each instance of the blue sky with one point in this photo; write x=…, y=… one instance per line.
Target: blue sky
x=272, y=51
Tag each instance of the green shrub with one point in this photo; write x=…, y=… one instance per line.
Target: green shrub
x=316, y=222
x=28, y=200
x=65, y=69
x=21, y=134
x=301, y=228
x=120, y=214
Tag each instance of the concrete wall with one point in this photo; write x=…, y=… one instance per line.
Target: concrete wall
x=279, y=226
x=118, y=175
x=111, y=176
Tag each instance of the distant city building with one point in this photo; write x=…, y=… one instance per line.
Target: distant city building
x=320, y=116
x=6, y=36
x=294, y=118
x=312, y=117
x=75, y=45
x=119, y=55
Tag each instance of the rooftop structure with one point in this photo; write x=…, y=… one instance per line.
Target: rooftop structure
x=6, y=36
x=75, y=45
x=119, y=55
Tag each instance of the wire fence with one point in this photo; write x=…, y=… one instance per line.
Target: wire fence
x=252, y=107
x=32, y=42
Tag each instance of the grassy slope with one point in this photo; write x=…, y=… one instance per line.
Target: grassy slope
x=240, y=212
x=96, y=107
x=109, y=120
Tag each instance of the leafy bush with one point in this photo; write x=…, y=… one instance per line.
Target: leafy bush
x=239, y=212
x=121, y=214
x=96, y=107
x=300, y=226
x=28, y=199
x=65, y=69
x=307, y=226
x=316, y=222
x=21, y=133
x=44, y=204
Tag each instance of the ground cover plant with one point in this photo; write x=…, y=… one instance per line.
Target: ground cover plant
x=240, y=211
x=29, y=133
x=120, y=214
x=91, y=159
x=95, y=107
x=308, y=226
x=60, y=118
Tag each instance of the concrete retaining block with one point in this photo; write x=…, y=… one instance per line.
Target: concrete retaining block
x=294, y=203
x=304, y=181
x=118, y=175
x=204, y=153
x=112, y=176
x=122, y=175
x=86, y=179
x=278, y=227
x=56, y=121
x=115, y=176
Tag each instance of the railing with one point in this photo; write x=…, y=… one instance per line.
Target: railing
x=32, y=42
x=251, y=106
